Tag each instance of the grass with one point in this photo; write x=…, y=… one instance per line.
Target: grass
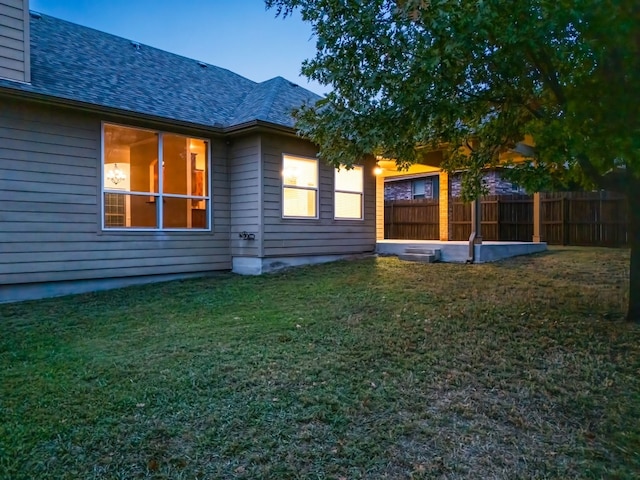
x=364, y=369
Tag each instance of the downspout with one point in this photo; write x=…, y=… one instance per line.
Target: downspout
x=472, y=250
x=476, y=235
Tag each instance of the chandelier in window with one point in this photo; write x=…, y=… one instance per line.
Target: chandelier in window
x=115, y=175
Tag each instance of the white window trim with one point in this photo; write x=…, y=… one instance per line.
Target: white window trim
x=159, y=194
x=361, y=193
x=298, y=187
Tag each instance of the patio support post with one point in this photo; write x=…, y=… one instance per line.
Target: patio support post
x=476, y=221
x=537, y=218
x=443, y=199
x=379, y=207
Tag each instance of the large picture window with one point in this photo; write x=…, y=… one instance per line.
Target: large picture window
x=299, y=187
x=348, y=193
x=154, y=180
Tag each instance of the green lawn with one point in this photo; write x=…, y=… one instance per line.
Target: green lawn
x=365, y=369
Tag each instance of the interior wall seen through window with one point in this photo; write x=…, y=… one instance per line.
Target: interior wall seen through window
x=299, y=187
x=138, y=194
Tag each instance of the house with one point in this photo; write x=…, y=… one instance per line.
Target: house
x=121, y=164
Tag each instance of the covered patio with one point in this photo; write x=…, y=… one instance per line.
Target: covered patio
x=472, y=250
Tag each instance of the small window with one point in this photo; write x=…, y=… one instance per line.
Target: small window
x=418, y=188
x=435, y=186
x=139, y=195
x=299, y=187
x=348, y=193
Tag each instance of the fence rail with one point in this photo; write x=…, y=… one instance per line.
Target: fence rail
x=567, y=218
x=598, y=218
x=412, y=219
x=503, y=217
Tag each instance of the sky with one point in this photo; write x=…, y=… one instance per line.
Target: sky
x=240, y=35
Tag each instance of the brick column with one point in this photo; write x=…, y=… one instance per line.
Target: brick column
x=444, y=206
x=379, y=207
x=537, y=218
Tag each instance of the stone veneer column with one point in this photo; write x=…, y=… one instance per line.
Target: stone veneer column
x=379, y=207
x=444, y=206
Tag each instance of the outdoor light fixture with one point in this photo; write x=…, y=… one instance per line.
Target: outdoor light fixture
x=115, y=175
x=378, y=170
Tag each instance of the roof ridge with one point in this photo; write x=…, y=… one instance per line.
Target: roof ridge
x=268, y=102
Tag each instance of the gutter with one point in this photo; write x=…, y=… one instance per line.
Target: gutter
x=259, y=126
x=216, y=129
x=95, y=108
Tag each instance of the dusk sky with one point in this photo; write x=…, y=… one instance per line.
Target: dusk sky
x=240, y=35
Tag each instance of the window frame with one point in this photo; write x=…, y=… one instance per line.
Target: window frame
x=159, y=195
x=353, y=192
x=316, y=189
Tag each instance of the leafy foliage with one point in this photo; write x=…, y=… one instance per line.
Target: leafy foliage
x=476, y=77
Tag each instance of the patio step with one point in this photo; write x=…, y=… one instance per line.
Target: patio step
x=421, y=255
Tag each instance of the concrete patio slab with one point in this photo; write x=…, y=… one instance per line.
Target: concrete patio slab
x=459, y=251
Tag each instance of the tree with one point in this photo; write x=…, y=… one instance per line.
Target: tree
x=412, y=75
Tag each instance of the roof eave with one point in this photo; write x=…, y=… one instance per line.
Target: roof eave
x=252, y=126
x=95, y=108
x=260, y=126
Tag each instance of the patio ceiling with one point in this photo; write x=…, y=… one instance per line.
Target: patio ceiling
x=430, y=161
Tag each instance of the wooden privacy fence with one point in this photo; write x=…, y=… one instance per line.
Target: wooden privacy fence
x=584, y=218
x=412, y=219
x=507, y=218
x=567, y=218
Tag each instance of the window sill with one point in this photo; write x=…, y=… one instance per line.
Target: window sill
x=137, y=231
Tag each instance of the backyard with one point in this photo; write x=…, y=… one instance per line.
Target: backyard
x=372, y=368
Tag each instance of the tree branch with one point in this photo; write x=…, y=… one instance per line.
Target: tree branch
x=547, y=72
x=614, y=180
x=535, y=112
x=496, y=100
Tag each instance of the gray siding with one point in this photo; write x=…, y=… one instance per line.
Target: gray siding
x=322, y=236
x=14, y=40
x=245, y=194
x=50, y=213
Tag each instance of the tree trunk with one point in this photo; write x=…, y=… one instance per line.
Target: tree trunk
x=633, y=313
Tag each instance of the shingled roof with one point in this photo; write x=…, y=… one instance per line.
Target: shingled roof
x=80, y=64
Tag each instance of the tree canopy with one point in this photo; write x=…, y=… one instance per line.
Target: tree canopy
x=419, y=73
x=475, y=77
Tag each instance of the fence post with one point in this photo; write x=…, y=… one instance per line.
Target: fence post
x=565, y=220
x=602, y=228
x=537, y=218
x=498, y=232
